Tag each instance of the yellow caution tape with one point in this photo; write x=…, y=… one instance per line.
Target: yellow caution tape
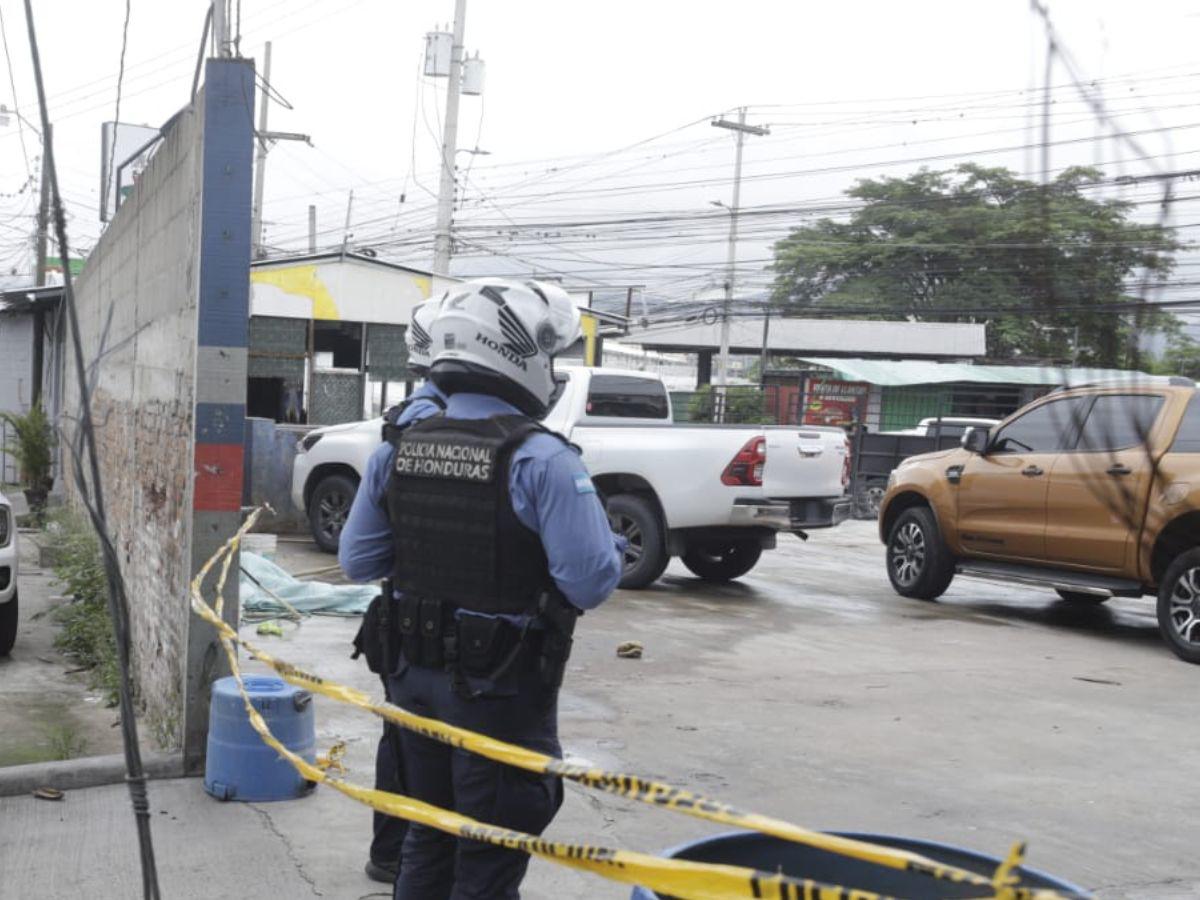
x=674, y=877
x=333, y=759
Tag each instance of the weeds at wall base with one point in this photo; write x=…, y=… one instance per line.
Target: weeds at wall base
x=86, y=634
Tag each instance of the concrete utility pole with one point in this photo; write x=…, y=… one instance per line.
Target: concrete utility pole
x=260, y=162
x=742, y=129
x=220, y=23
x=43, y=217
x=346, y=231
x=445, y=211
x=312, y=229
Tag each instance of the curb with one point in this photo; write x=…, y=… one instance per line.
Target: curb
x=90, y=771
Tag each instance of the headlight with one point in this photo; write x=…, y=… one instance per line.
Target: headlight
x=309, y=441
x=892, y=479
x=5, y=525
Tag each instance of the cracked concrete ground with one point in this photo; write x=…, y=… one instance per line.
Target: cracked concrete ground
x=47, y=711
x=808, y=690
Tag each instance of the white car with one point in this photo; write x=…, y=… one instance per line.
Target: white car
x=714, y=495
x=9, y=558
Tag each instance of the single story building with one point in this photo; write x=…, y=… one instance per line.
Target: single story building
x=327, y=335
x=793, y=337
x=31, y=344
x=890, y=395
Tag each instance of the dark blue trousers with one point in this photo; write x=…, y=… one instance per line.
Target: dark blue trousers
x=519, y=709
x=389, y=832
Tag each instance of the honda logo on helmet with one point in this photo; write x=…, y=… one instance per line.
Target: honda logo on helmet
x=504, y=350
x=421, y=340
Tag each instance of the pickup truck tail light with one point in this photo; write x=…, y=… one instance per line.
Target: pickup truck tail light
x=746, y=467
x=846, y=465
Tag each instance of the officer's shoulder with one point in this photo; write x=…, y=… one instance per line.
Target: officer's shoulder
x=545, y=444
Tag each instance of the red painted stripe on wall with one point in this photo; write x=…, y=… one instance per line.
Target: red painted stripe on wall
x=219, y=471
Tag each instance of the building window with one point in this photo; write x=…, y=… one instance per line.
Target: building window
x=338, y=345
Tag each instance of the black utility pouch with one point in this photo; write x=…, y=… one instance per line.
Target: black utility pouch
x=408, y=627
x=371, y=640
x=556, y=650
x=483, y=642
x=430, y=636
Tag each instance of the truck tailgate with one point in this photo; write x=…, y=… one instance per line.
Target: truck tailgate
x=804, y=462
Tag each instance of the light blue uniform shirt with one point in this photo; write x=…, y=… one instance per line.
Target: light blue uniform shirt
x=424, y=403
x=552, y=495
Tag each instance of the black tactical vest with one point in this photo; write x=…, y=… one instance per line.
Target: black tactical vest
x=391, y=430
x=456, y=536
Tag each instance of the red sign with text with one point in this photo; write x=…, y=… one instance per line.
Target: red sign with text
x=835, y=402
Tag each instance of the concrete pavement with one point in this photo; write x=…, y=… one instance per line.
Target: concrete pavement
x=47, y=711
x=807, y=690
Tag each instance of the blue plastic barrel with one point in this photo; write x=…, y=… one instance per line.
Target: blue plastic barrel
x=239, y=765
x=768, y=854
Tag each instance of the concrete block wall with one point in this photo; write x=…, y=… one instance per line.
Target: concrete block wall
x=163, y=306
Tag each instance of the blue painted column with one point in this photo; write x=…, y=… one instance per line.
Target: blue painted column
x=223, y=316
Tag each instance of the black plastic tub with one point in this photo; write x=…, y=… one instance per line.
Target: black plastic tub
x=769, y=854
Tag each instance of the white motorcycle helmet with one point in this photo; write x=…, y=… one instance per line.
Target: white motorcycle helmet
x=500, y=337
x=417, y=337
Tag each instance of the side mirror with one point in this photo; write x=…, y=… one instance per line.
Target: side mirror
x=975, y=440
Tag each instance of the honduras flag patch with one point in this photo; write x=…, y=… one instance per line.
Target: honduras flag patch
x=583, y=484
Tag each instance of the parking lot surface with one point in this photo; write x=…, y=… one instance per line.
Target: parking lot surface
x=809, y=691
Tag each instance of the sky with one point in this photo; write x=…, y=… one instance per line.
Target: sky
x=602, y=166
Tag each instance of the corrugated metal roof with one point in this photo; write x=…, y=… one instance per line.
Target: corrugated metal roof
x=894, y=373
x=795, y=337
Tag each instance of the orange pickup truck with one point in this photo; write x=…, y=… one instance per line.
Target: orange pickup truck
x=1093, y=492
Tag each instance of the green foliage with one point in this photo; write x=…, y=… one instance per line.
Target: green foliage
x=33, y=447
x=966, y=245
x=744, y=406
x=1182, y=358
x=87, y=634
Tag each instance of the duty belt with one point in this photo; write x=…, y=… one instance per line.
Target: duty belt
x=439, y=635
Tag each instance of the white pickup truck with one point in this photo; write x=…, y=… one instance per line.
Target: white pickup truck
x=10, y=556
x=714, y=495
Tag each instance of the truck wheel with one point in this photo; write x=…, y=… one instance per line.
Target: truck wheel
x=723, y=562
x=636, y=520
x=8, y=625
x=1081, y=598
x=328, y=509
x=918, y=563
x=1179, y=606
x=868, y=499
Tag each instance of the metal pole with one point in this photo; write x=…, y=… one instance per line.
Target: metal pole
x=731, y=258
x=445, y=213
x=762, y=360
x=43, y=217
x=346, y=232
x=312, y=229
x=260, y=161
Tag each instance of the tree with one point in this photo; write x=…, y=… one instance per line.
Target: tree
x=970, y=244
x=1181, y=358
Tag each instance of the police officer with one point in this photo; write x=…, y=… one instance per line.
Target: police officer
x=384, y=860
x=496, y=540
